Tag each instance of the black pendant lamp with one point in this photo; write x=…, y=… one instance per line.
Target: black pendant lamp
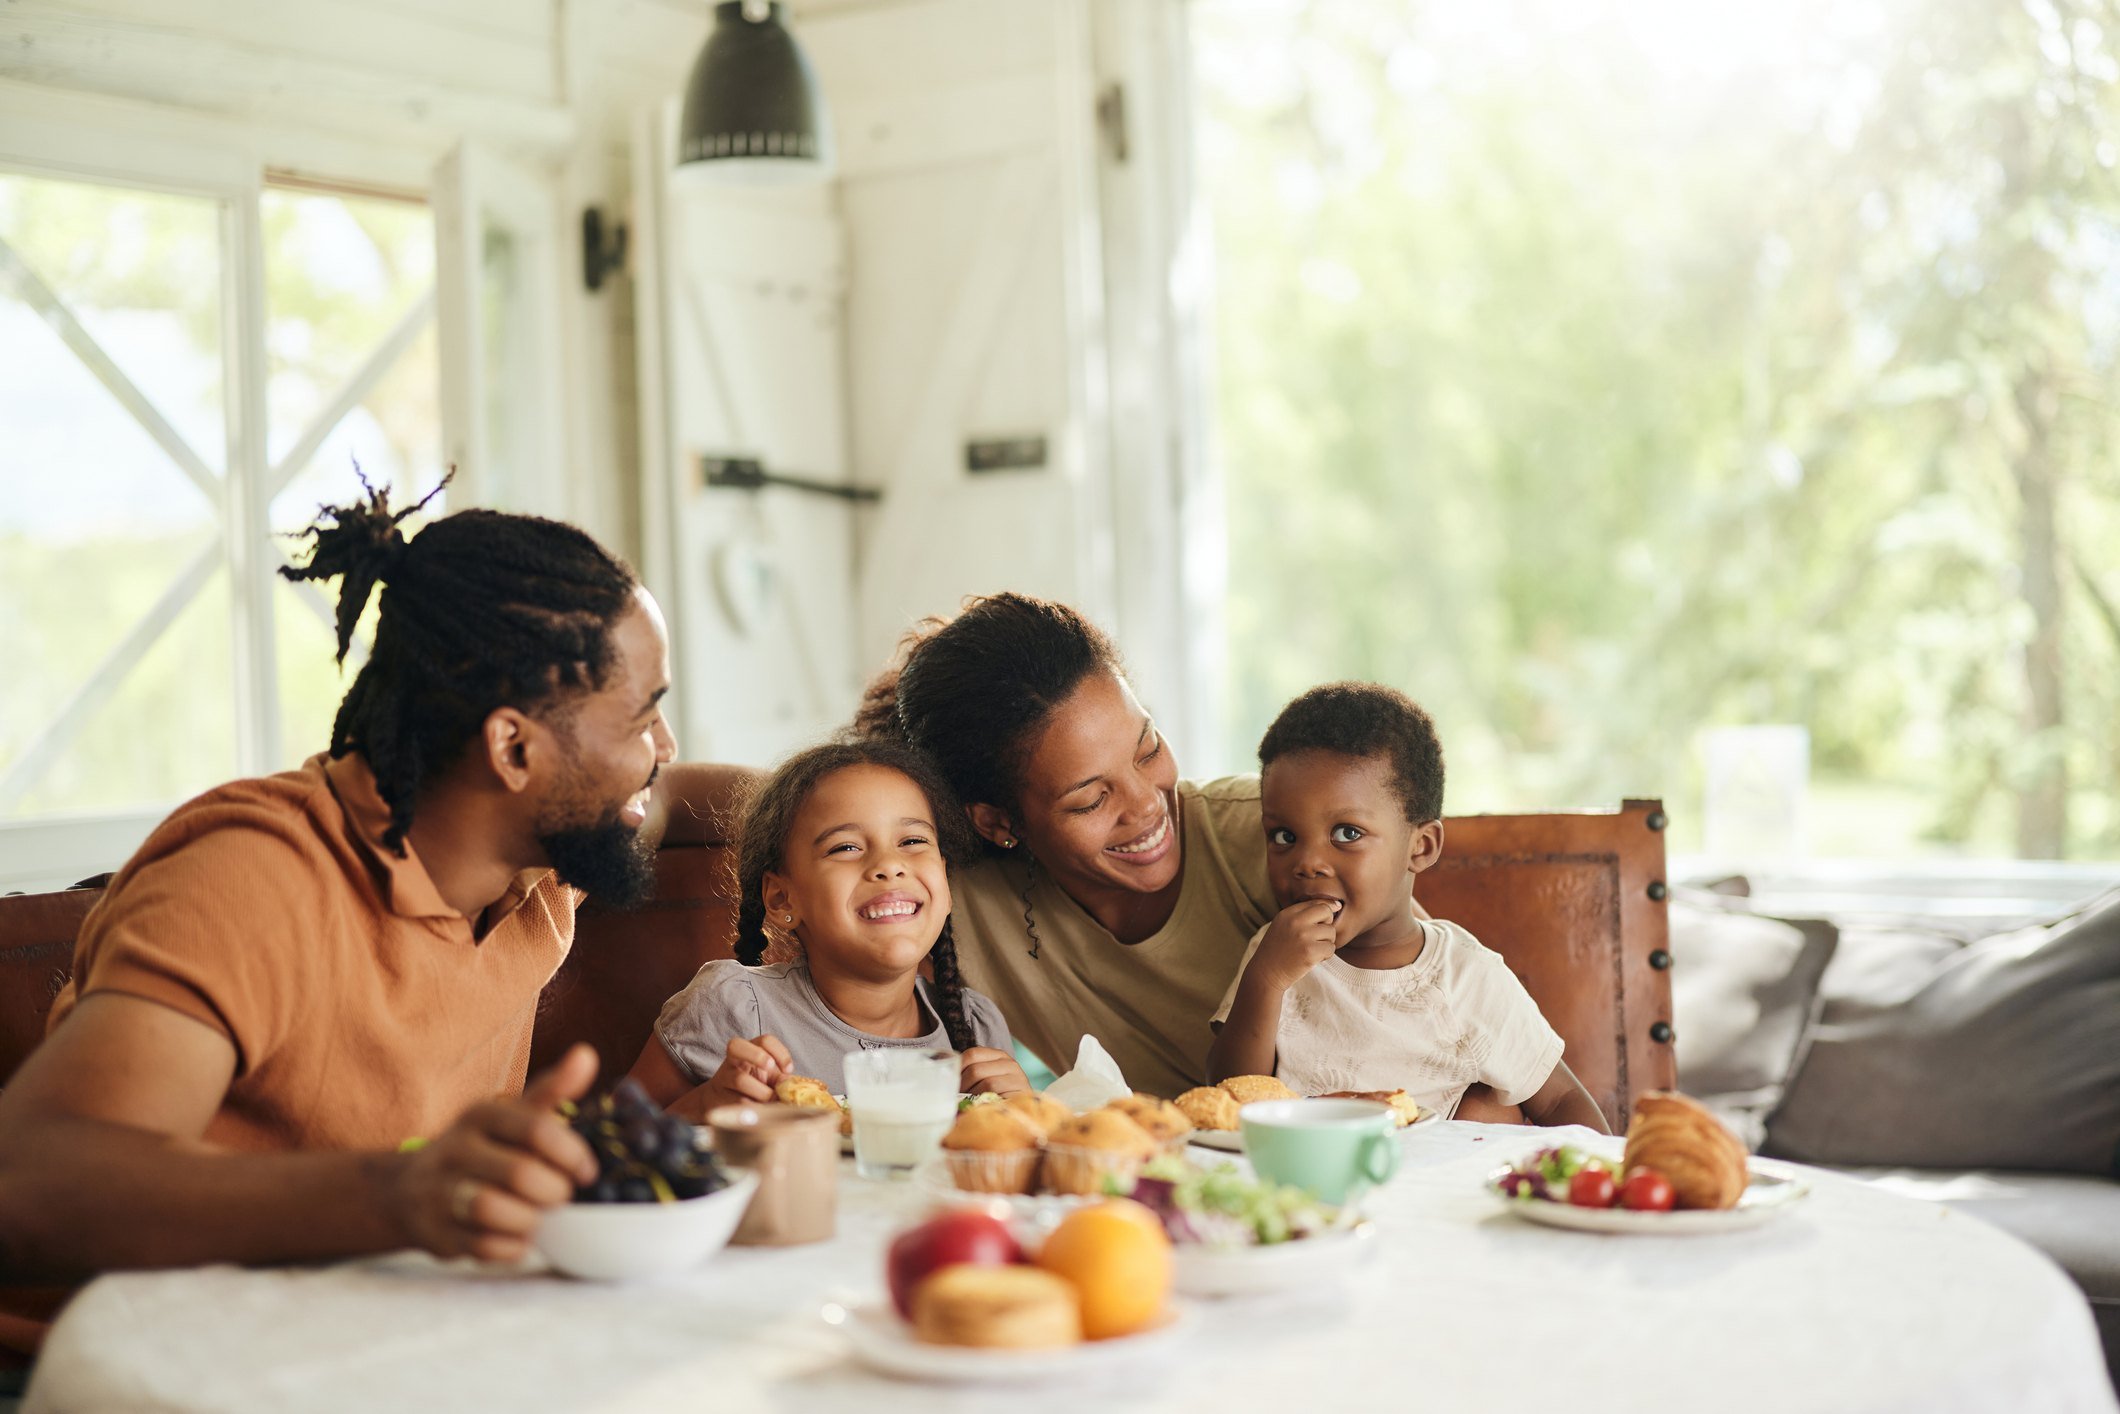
x=753, y=111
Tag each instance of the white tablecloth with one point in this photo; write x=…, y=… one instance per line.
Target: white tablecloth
x=1856, y=1301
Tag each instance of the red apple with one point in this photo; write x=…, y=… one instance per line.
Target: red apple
x=965, y=1235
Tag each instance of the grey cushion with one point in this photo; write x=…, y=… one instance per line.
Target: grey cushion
x=1744, y=991
x=2003, y=1053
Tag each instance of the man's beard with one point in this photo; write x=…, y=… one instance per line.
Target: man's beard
x=605, y=858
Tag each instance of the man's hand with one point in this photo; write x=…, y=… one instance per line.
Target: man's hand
x=479, y=1188
x=990, y=1072
x=1299, y=938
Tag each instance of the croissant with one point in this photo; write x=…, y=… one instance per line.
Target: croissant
x=1704, y=1162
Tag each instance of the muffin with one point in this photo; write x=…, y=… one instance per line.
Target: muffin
x=1247, y=1088
x=807, y=1092
x=992, y=1149
x=1005, y=1308
x=1209, y=1107
x=1081, y=1153
x=1041, y=1111
x=1164, y=1121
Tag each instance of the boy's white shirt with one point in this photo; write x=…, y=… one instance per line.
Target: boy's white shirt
x=1454, y=1015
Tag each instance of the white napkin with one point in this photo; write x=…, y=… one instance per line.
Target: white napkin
x=1094, y=1081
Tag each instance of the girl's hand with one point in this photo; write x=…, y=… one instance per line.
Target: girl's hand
x=990, y=1072
x=749, y=1071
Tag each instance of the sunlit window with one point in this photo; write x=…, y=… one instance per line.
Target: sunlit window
x=119, y=371
x=1713, y=401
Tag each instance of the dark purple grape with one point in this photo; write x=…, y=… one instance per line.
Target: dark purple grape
x=643, y=1154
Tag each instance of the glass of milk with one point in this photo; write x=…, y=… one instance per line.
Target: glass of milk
x=903, y=1102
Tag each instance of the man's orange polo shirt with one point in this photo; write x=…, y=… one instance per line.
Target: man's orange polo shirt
x=362, y=1008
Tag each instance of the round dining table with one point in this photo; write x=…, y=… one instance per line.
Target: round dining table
x=1853, y=1299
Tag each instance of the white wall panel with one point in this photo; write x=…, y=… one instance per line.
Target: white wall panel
x=963, y=129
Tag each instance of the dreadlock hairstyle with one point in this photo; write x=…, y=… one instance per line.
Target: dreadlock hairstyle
x=480, y=610
x=972, y=692
x=1366, y=719
x=770, y=814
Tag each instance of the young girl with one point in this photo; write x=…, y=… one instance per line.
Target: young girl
x=843, y=854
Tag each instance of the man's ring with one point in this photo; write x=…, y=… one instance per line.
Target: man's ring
x=460, y=1200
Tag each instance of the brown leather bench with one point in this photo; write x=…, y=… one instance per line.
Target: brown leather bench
x=36, y=953
x=1573, y=902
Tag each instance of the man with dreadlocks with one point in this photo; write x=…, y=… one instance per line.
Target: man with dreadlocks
x=294, y=975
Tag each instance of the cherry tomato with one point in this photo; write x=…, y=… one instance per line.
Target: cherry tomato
x=1646, y=1191
x=1591, y=1188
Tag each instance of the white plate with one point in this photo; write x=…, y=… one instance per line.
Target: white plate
x=1771, y=1192
x=1305, y=1264
x=1231, y=1141
x=885, y=1343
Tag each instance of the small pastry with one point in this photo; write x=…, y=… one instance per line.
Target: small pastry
x=992, y=1149
x=1209, y=1107
x=1010, y=1308
x=1247, y=1088
x=1677, y=1137
x=1403, y=1110
x=1083, y=1152
x=807, y=1092
x=1042, y=1111
x=1164, y=1121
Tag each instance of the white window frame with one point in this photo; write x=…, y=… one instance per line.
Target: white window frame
x=113, y=142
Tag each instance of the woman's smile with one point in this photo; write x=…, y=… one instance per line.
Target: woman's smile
x=1148, y=847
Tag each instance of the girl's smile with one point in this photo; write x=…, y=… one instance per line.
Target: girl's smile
x=889, y=907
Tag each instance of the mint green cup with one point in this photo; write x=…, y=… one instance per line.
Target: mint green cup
x=1336, y=1150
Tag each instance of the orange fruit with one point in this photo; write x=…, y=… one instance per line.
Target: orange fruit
x=1116, y=1257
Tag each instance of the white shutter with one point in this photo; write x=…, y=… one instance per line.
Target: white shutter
x=739, y=306
x=499, y=266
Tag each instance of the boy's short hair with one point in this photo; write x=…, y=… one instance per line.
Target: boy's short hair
x=1366, y=719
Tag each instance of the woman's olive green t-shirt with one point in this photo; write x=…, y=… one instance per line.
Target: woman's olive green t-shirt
x=1149, y=1002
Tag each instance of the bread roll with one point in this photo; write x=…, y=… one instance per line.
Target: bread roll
x=1209, y=1107
x=1247, y=1088
x=1008, y=1308
x=1678, y=1138
x=1403, y=1110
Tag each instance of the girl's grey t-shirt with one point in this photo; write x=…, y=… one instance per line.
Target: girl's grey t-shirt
x=726, y=999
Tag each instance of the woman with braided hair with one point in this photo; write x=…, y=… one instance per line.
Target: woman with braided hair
x=296, y=974
x=841, y=866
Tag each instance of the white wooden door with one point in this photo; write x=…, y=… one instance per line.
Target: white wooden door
x=966, y=134
x=740, y=310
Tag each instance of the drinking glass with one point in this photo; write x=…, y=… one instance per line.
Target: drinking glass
x=903, y=1102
